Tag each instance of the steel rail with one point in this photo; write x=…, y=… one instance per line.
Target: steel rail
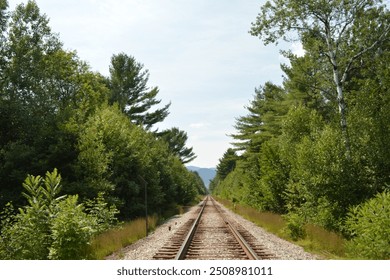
x=187, y=241
x=240, y=239
x=251, y=254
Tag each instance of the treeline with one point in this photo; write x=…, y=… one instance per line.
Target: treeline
x=99, y=132
x=316, y=148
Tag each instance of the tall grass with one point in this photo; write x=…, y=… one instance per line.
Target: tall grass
x=269, y=221
x=113, y=240
x=326, y=244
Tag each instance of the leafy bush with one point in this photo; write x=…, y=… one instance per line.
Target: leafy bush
x=28, y=236
x=104, y=215
x=369, y=226
x=295, y=226
x=51, y=226
x=71, y=230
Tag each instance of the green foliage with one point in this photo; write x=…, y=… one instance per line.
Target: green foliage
x=263, y=121
x=326, y=29
x=317, y=146
x=369, y=226
x=103, y=214
x=227, y=163
x=272, y=185
x=295, y=226
x=176, y=140
x=316, y=239
x=232, y=187
x=71, y=231
x=52, y=226
x=115, y=154
x=42, y=88
x=128, y=84
x=3, y=25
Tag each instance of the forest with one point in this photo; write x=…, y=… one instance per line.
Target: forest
x=78, y=149
x=316, y=149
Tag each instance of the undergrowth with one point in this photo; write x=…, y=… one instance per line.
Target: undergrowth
x=325, y=244
x=114, y=239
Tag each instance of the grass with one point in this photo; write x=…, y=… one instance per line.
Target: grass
x=114, y=239
x=324, y=243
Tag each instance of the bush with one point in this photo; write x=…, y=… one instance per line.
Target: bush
x=369, y=226
x=104, y=215
x=295, y=226
x=26, y=235
x=51, y=226
x=71, y=231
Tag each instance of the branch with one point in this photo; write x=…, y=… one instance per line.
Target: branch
x=347, y=22
x=359, y=54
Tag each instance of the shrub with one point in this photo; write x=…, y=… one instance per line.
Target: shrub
x=26, y=235
x=104, y=215
x=51, y=226
x=71, y=231
x=295, y=226
x=369, y=227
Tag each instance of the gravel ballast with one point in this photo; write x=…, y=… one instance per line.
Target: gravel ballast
x=146, y=248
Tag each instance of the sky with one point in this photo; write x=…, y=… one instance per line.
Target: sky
x=198, y=53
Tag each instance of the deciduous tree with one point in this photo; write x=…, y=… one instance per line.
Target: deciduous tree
x=340, y=30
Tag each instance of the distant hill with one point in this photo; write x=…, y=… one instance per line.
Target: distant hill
x=205, y=173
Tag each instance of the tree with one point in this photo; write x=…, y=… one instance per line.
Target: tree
x=262, y=123
x=263, y=120
x=29, y=43
x=3, y=16
x=28, y=119
x=46, y=93
x=342, y=31
x=3, y=27
x=176, y=140
x=55, y=113
x=128, y=84
x=306, y=83
x=3, y=24
x=227, y=163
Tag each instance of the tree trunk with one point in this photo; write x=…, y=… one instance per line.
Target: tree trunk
x=342, y=107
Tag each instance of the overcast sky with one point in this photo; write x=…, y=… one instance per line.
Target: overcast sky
x=198, y=52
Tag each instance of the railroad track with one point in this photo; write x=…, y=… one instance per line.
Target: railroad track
x=211, y=236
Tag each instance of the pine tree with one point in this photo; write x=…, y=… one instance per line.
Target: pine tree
x=129, y=89
x=263, y=120
x=176, y=140
x=227, y=163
